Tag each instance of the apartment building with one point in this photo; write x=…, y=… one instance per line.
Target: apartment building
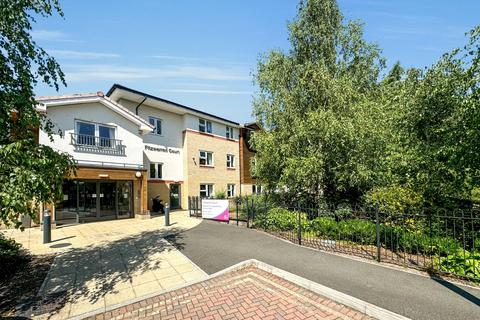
x=248, y=182
x=131, y=146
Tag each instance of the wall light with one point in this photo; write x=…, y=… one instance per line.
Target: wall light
x=138, y=174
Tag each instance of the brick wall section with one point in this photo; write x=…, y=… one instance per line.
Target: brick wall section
x=249, y=293
x=219, y=175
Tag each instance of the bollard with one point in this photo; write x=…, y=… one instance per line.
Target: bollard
x=47, y=227
x=167, y=215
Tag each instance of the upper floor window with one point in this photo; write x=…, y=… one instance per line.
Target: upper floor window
x=229, y=133
x=157, y=123
x=89, y=133
x=204, y=126
x=156, y=170
x=206, y=158
x=230, y=161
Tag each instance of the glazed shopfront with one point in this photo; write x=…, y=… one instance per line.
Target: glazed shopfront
x=97, y=194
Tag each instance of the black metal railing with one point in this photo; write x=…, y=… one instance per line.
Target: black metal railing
x=95, y=144
x=437, y=240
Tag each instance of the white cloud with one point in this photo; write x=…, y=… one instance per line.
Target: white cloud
x=217, y=92
x=70, y=54
x=167, y=57
x=51, y=35
x=90, y=72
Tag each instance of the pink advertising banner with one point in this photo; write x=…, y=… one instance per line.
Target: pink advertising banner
x=215, y=209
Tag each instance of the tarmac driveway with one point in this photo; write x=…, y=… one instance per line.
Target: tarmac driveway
x=214, y=246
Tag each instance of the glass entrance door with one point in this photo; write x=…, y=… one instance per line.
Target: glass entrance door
x=92, y=200
x=124, y=200
x=174, y=196
x=108, y=201
x=87, y=199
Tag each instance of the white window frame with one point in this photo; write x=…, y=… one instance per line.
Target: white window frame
x=257, y=189
x=231, y=161
x=230, y=190
x=204, y=155
x=204, y=126
x=229, y=132
x=158, y=170
x=209, y=189
x=156, y=123
x=97, y=125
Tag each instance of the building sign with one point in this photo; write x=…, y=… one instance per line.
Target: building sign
x=161, y=149
x=215, y=209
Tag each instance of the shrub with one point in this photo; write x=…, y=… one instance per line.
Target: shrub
x=220, y=195
x=279, y=219
x=10, y=256
x=463, y=263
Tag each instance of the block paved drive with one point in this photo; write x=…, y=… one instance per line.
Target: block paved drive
x=248, y=293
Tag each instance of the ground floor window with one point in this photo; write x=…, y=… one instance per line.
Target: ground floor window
x=256, y=189
x=88, y=200
x=156, y=170
x=206, y=190
x=230, y=190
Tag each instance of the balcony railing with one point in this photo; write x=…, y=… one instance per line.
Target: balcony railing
x=94, y=144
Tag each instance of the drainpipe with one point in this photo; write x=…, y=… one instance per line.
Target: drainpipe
x=136, y=108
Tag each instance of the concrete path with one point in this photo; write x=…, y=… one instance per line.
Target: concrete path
x=104, y=264
x=214, y=246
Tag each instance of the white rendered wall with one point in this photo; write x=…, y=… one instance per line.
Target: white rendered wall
x=64, y=118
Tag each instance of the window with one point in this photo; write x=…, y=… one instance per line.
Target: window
x=206, y=190
x=157, y=123
x=256, y=189
x=204, y=126
x=229, y=133
x=230, y=190
x=230, y=161
x=206, y=158
x=95, y=134
x=156, y=170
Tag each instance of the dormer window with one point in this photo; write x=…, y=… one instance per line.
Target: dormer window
x=229, y=133
x=157, y=123
x=204, y=126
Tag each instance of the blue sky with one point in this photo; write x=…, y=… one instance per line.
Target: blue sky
x=203, y=53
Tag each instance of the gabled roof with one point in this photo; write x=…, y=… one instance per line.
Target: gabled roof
x=46, y=101
x=184, y=108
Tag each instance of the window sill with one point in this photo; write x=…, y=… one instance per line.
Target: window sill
x=206, y=133
x=231, y=168
x=206, y=166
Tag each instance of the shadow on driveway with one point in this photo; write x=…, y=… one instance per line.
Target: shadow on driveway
x=94, y=271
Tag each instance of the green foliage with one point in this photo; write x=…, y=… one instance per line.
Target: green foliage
x=462, y=263
x=336, y=129
x=361, y=231
x=220, y=194
x=29, y=173
x=394, y=199
x=315, y=105
x=10, y=257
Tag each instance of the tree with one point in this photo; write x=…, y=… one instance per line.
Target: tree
x=323, y=133
x=435, y=115
x=29, y=173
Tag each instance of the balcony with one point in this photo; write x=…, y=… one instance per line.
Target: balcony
x=100, y=145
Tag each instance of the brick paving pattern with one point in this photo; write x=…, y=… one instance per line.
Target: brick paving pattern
x=248, y=293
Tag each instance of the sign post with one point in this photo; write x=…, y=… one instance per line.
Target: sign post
x=215, y=210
